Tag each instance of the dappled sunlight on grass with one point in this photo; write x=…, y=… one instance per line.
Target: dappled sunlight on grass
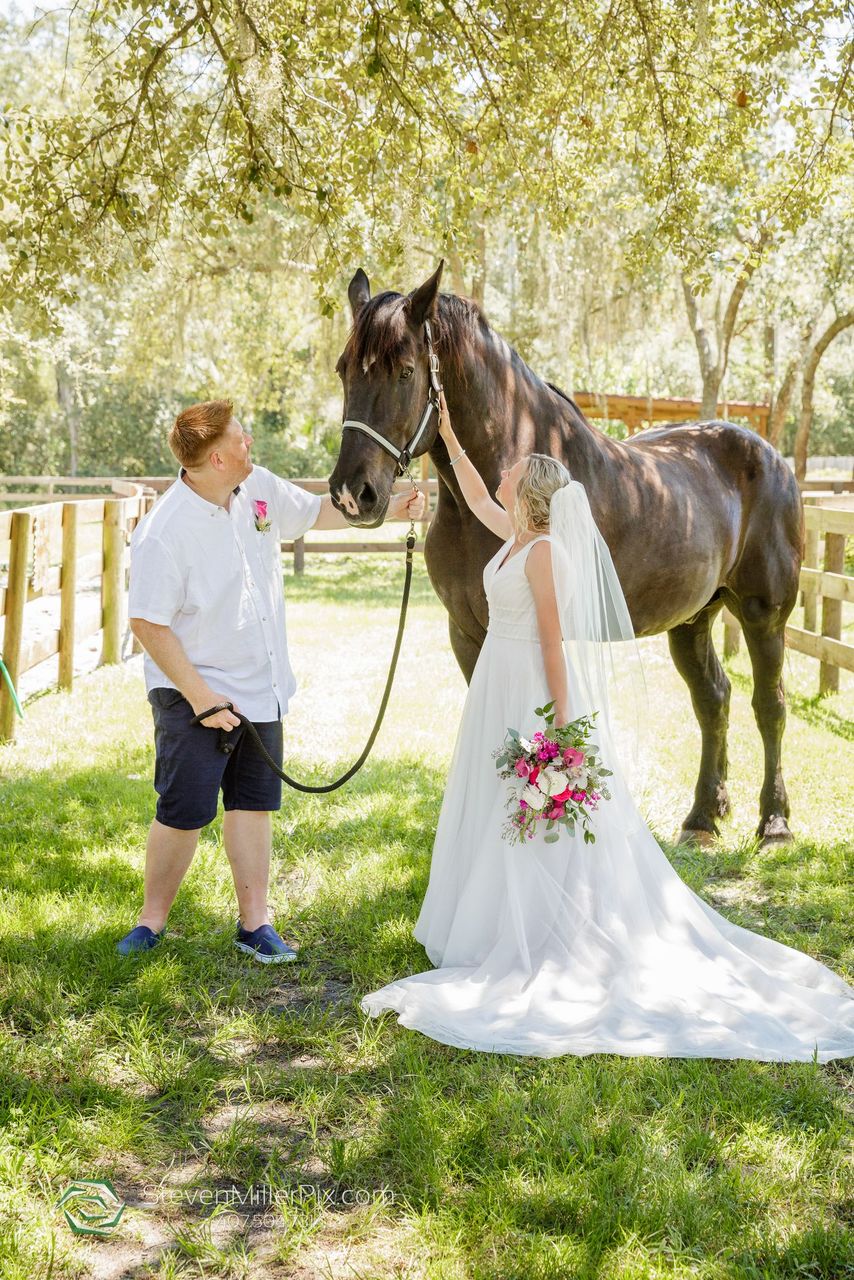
x=191, y=1066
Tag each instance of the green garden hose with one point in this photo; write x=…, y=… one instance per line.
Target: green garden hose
x=8, y=679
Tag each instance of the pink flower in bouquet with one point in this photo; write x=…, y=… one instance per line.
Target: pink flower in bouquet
x=557, y=810
x=533, y=775
x=563, y=797
x=522, y=768
x=573, y=757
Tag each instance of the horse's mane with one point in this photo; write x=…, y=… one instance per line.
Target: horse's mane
x=381, y=334
x=568, y=398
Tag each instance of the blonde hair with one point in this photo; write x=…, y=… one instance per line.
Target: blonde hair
x=542, y=477
x=197, y=429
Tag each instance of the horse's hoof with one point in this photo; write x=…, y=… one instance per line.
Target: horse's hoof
x=773, y=832
x=696, y=836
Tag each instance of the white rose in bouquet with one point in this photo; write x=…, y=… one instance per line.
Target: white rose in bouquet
x=533, y=797
x=552, y=781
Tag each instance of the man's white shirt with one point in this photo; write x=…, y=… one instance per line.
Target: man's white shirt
x=216, y=581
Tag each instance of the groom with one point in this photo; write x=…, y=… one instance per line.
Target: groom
x=206, y=604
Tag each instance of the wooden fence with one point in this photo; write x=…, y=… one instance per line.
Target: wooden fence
x=26, y=491
x=645, y=411
x=49, y=550
x=824, y=582
x=44, y=489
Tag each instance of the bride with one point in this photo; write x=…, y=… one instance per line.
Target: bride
x=571, y=948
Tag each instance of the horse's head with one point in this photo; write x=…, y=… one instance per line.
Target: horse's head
x=384, y=371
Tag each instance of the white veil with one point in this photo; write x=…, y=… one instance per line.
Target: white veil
x=599, y=638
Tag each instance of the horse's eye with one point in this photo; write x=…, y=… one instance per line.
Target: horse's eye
x=406, y=372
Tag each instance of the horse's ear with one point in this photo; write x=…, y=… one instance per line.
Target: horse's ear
x=359, y=292
x=421, y=303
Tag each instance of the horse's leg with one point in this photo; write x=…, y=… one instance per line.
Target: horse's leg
x=696, y=661
x=764, y=634
x=465, y=648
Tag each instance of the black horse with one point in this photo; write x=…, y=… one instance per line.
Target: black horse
x=697, y=515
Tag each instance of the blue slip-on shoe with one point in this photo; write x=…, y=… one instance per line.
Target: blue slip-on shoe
x=263, y=944
x=139, y=939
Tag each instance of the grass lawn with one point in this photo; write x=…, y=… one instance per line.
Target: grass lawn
x=375, y=1152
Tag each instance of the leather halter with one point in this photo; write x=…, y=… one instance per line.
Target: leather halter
x=404, y=456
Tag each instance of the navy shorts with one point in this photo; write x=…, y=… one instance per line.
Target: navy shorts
x=190, y=769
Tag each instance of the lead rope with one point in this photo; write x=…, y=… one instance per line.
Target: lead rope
x=228, y=747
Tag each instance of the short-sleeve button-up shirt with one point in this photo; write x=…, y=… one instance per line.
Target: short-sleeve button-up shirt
x=215, y=579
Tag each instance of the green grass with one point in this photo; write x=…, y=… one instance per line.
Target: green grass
x=193, y=1070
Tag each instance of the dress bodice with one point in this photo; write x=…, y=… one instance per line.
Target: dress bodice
x=512, y=613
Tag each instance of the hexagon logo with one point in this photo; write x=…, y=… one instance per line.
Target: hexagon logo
x=91, y=1208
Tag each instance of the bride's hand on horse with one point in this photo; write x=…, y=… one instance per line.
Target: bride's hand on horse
x=446, y=431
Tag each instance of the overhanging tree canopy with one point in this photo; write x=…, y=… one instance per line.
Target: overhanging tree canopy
x=367, y=121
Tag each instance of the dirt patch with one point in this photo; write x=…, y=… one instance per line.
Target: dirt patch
x=745, y=895
x=356, y=1246
x=291, y=997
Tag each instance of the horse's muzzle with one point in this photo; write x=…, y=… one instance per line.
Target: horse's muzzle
x=361, y=504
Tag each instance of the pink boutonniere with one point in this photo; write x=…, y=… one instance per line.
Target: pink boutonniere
x=259, y=510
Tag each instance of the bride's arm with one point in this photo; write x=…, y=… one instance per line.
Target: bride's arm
x=474, y=490
x=538, y=570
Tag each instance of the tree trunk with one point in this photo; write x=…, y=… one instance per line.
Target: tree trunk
x=711, y=394
x=780, y=405
x=802, y=436
x=713, y=365
x=781, y=402
x=69, y=407
x=458, y=280
x=709, y=371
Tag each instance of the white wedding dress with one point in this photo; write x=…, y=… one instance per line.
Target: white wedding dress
x=566, y=948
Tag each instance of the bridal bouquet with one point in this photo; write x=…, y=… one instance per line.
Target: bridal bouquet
x=556, y=778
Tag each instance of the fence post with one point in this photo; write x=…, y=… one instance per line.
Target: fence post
x=16, y=599
x=810, y=595
x=146, y=503
x=732, y=634
x=831, y=610
x=68, y=595
x=299, y=555
x=112, y=585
